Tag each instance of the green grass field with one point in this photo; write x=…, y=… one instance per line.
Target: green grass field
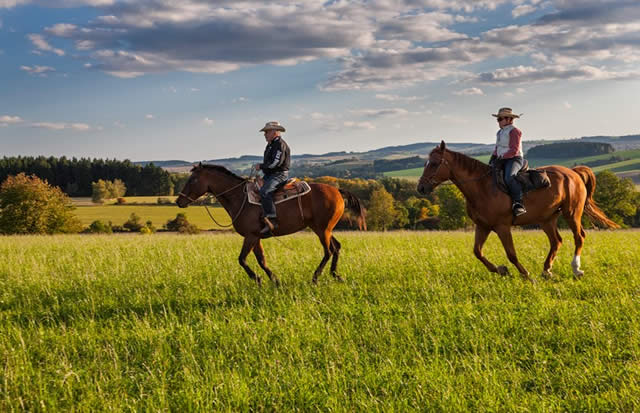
x=159, y=215
x=172, y=323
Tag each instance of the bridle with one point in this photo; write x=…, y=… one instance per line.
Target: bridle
x=431, y=181
x=233, y=220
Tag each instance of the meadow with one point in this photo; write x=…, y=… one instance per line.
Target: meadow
x=170, y=322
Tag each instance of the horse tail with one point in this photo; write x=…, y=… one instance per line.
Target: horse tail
x=590, y=207
x=353, y=204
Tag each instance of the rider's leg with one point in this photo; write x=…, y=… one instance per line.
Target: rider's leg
x=511, y=168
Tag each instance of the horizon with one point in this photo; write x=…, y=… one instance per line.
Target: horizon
x=150, y=79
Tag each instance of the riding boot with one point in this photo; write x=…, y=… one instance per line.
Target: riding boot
x=518, y=208
x=270, y=225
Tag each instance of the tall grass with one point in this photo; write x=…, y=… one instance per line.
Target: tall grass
x=173, y=323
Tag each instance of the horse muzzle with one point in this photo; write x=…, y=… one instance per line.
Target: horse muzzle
x=424, y=189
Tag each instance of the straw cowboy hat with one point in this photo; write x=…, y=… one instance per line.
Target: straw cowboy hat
x=272, y=126
x=506, y=113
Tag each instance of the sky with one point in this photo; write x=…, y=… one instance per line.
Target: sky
x=196, y=80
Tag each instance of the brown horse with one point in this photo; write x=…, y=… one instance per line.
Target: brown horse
x=570, y=194
x=320, y=209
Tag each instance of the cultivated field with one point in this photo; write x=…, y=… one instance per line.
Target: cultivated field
x=158, y=214
x=172, y=323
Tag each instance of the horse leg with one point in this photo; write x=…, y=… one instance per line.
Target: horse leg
x=481, y=236
x=258, y=251
x=574, y=221
x=555, y=240
x=247, y=246
x=504, y=233
x=335, y=250
x=325, y=240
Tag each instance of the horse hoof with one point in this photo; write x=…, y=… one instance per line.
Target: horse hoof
x=578, y=274
x=502, y=270
x=547, y=275
x=338, y=278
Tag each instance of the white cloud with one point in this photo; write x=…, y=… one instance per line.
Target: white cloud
x=149, y=116
x=41, y=44
x=398, y=98
x=207, y=121
x=359, y=125
x=472, y=91
x=522, y=10
x=567, y=105
x=8, y=119
x=38, y=70
x=80, y=127
x=241, y=99
x=381, y=113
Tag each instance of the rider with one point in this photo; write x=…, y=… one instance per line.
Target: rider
x=509, y=149
x=275, y=167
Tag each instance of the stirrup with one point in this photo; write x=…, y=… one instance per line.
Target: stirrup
x=270, y=225
x=518, y=209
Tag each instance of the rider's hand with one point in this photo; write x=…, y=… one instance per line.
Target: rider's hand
x=256, y=167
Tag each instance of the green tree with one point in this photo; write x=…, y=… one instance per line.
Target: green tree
x=419, y=209
x=29, y=205
x=453, y=211
x=103, y=189
x=382, y=213
x=134, y=224
x=617, y=197
x=181, y=225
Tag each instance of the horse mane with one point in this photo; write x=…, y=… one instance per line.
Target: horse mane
x=468, y=163
x=219, y=168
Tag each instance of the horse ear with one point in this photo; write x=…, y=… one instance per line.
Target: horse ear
x=442, y=146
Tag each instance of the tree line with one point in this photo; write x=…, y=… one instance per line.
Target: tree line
x=75, y=176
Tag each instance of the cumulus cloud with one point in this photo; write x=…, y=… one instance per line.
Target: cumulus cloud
x=149, y=116
x=398, y=98
x=530, y=74
x=378, y=44
x=469, y=92
x=41, y=44
x=207, y=121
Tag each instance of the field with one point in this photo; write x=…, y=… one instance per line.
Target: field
x=158, y=214
x=172, y=323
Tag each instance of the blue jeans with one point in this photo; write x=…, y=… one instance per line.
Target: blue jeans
x=271, y=183
x=511, y=168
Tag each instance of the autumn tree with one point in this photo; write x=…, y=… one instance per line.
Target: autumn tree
x=382, y=212
x=29, y=205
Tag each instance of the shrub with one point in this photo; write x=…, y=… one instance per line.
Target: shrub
x=99, y=227
x=121, y=201
x=134, y=223
x=29, y=205
x=164, y=201
x=181, y=225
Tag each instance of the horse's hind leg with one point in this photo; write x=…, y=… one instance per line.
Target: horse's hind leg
x=504, y=232
x=247, y=246
x=325, y=240
x=574, y=221
x=258, y=251
x=555, y=240
x=335, y=250
x=481, y=236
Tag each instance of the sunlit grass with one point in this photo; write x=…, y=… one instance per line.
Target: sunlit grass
x=168, y=322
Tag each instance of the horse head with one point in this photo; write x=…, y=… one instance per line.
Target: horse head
x=436, y=170
x=195, y=187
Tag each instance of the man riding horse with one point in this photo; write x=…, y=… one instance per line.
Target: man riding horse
x=275, y=166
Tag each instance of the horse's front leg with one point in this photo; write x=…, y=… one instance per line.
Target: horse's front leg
x=482, y=233
x=247, y=246
x=504, y=232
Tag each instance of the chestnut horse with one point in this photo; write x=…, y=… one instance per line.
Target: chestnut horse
x=320, y=209
x=570, y=194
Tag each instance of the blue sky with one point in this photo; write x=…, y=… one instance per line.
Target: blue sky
x=195, y=79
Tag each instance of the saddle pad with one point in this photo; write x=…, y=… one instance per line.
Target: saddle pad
x=529, y=179
x=287, y=192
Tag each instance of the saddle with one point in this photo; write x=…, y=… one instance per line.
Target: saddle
x=290, y=189
x=529, y=179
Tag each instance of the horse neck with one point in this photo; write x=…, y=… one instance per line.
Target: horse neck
x=220, y=183
x=471, y=182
